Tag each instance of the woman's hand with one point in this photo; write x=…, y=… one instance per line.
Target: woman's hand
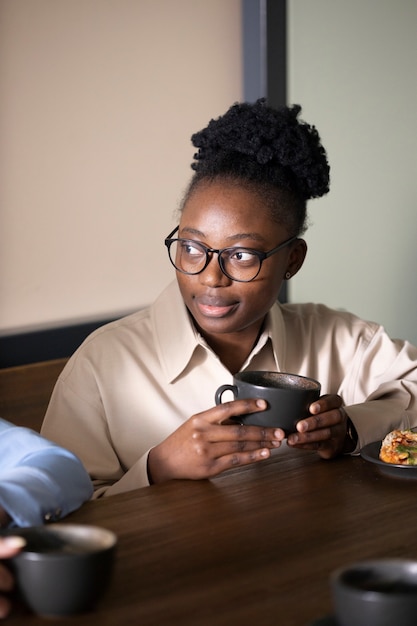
x=9, y=547
x=206, y=444
x=325, y=430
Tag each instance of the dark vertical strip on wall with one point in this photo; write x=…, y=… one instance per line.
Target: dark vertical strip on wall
x=264, y=32
x=254, y=49
x=264, y=35
x=276, y=52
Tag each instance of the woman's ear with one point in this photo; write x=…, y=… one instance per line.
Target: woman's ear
x=296, y=258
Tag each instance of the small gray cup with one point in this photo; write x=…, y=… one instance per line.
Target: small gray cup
x=64, y=569
x=381, y=592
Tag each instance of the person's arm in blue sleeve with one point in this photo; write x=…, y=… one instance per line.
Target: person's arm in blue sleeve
x=39, y=481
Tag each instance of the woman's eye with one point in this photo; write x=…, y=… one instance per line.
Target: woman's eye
x=191, y=249
x=243, y=256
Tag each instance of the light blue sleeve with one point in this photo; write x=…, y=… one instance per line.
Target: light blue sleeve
x=39, y=481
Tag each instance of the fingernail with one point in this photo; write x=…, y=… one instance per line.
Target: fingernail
x=14, y=541
x=264, y=453
x=261, y=403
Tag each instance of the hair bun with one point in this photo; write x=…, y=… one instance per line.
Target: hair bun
x=260, y=143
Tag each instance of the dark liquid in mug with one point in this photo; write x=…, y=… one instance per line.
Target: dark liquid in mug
x=369, y=582
x=49, y=542
x=387, y=586
x=283, y=382
x=67, y=548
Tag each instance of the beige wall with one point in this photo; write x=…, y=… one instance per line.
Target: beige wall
x=98, y=100
x=352, y=65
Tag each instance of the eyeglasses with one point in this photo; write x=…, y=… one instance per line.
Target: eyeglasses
x=240, y=264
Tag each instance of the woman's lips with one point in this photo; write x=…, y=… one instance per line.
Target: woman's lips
x=214, y=307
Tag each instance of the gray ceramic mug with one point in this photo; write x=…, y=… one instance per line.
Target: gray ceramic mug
x=379, y=592
x=64, y=568
x=288, y=396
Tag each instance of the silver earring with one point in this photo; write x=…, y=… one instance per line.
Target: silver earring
x=288, y=275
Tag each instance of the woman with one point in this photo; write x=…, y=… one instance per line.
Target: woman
x=135, y=402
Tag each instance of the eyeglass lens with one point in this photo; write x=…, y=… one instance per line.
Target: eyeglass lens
x=191, y=257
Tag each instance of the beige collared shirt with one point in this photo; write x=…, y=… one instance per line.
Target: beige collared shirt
x=136, y=380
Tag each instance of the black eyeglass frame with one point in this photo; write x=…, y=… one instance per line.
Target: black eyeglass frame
x=209, y=251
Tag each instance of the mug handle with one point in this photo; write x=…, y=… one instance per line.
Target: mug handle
x=220, y=391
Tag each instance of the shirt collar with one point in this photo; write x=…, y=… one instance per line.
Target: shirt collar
x=177, y=340
x=277, y=333
x=175, y=336
x=273, y=331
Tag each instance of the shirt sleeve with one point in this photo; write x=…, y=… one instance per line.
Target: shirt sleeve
x=375, y=375
x=39, y=481
x=83, y=426
x=79, y=417
x=381, y=392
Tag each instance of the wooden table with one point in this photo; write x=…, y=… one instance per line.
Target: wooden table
x=252, y=547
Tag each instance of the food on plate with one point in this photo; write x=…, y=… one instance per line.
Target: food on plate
x=399, y=447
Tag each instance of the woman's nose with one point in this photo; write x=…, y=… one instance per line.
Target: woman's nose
x=212, y=275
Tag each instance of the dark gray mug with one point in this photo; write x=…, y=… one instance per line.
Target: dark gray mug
x=64, y=569
x=380, y=592
x=288, y=396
